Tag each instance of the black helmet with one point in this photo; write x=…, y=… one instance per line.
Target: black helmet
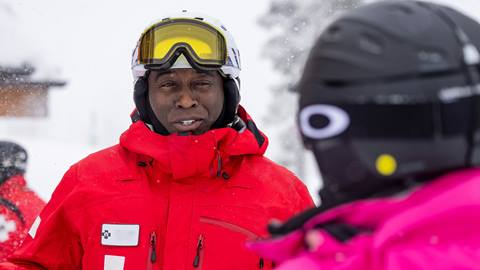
x=13, y=160
x=389, y=97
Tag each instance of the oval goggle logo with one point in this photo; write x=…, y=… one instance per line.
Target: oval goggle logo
x=338, y=121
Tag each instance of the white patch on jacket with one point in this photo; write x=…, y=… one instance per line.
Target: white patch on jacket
x=125, y=235
x=111, y=262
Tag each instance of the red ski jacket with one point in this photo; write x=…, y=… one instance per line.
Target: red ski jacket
x=165, y=202
x=18, y=208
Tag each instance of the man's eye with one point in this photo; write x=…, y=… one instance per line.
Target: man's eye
x=203, y=83
x=166, y=84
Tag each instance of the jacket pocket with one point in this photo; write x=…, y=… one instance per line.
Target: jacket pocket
x=230, y=226
x=228, y=247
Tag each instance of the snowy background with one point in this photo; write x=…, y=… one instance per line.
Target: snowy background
x=88, y=44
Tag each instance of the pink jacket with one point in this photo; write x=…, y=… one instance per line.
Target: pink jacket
x=436, y=226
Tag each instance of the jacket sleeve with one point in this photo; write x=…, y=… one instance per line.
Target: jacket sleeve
x=291, y=198
x=304, y=200
x=53, y=241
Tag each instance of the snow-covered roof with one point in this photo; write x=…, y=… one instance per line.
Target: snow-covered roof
x=19, y=51
x=22, y=75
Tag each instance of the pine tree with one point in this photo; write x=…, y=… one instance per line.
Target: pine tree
x=295, y=24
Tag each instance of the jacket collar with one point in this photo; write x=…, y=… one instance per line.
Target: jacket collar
x=195, y=155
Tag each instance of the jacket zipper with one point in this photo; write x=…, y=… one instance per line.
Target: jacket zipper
x=152, y=254
x=233, y=227
x=219, y=164
x=200, y=243
x=261, y=263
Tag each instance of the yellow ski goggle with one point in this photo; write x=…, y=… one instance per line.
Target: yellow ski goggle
x=164, y=41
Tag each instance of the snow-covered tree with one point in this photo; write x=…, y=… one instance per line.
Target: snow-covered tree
x=294, y=26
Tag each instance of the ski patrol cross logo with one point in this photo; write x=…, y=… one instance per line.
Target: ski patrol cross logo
x=106, y=234
x=6, y=227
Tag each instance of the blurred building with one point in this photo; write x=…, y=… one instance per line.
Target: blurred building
x=21, y=95
x=26, y=76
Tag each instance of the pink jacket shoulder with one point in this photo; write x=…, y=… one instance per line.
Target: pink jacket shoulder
x=432, y=227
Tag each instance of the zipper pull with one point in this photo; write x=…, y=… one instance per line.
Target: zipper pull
x=261, y=263
x=196, y=261
x=153, y=246
x=219, y=164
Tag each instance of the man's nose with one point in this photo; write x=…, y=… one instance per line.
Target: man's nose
x=186, y=99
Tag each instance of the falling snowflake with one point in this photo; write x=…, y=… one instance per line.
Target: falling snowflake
x=6, y=227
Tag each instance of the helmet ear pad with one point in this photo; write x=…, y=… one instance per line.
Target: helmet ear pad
x=139, y=93
x=230, y=103
x=142, y=103
x=232, y=98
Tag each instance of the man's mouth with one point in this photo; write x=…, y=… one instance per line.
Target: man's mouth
x=187, y=122
x=187, y=125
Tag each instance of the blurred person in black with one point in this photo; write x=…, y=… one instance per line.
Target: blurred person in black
x=19, y=205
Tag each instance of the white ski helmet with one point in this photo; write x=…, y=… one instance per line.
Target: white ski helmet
x=196, y=41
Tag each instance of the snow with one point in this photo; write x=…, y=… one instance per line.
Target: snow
x=18, y=48
x=43, y=175
x=11, y=52
x=48, y=157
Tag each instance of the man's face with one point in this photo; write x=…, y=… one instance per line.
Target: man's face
x=185, y=100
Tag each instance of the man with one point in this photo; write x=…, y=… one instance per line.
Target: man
x=18, y=204
x=390, y=107
x=188, y=183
